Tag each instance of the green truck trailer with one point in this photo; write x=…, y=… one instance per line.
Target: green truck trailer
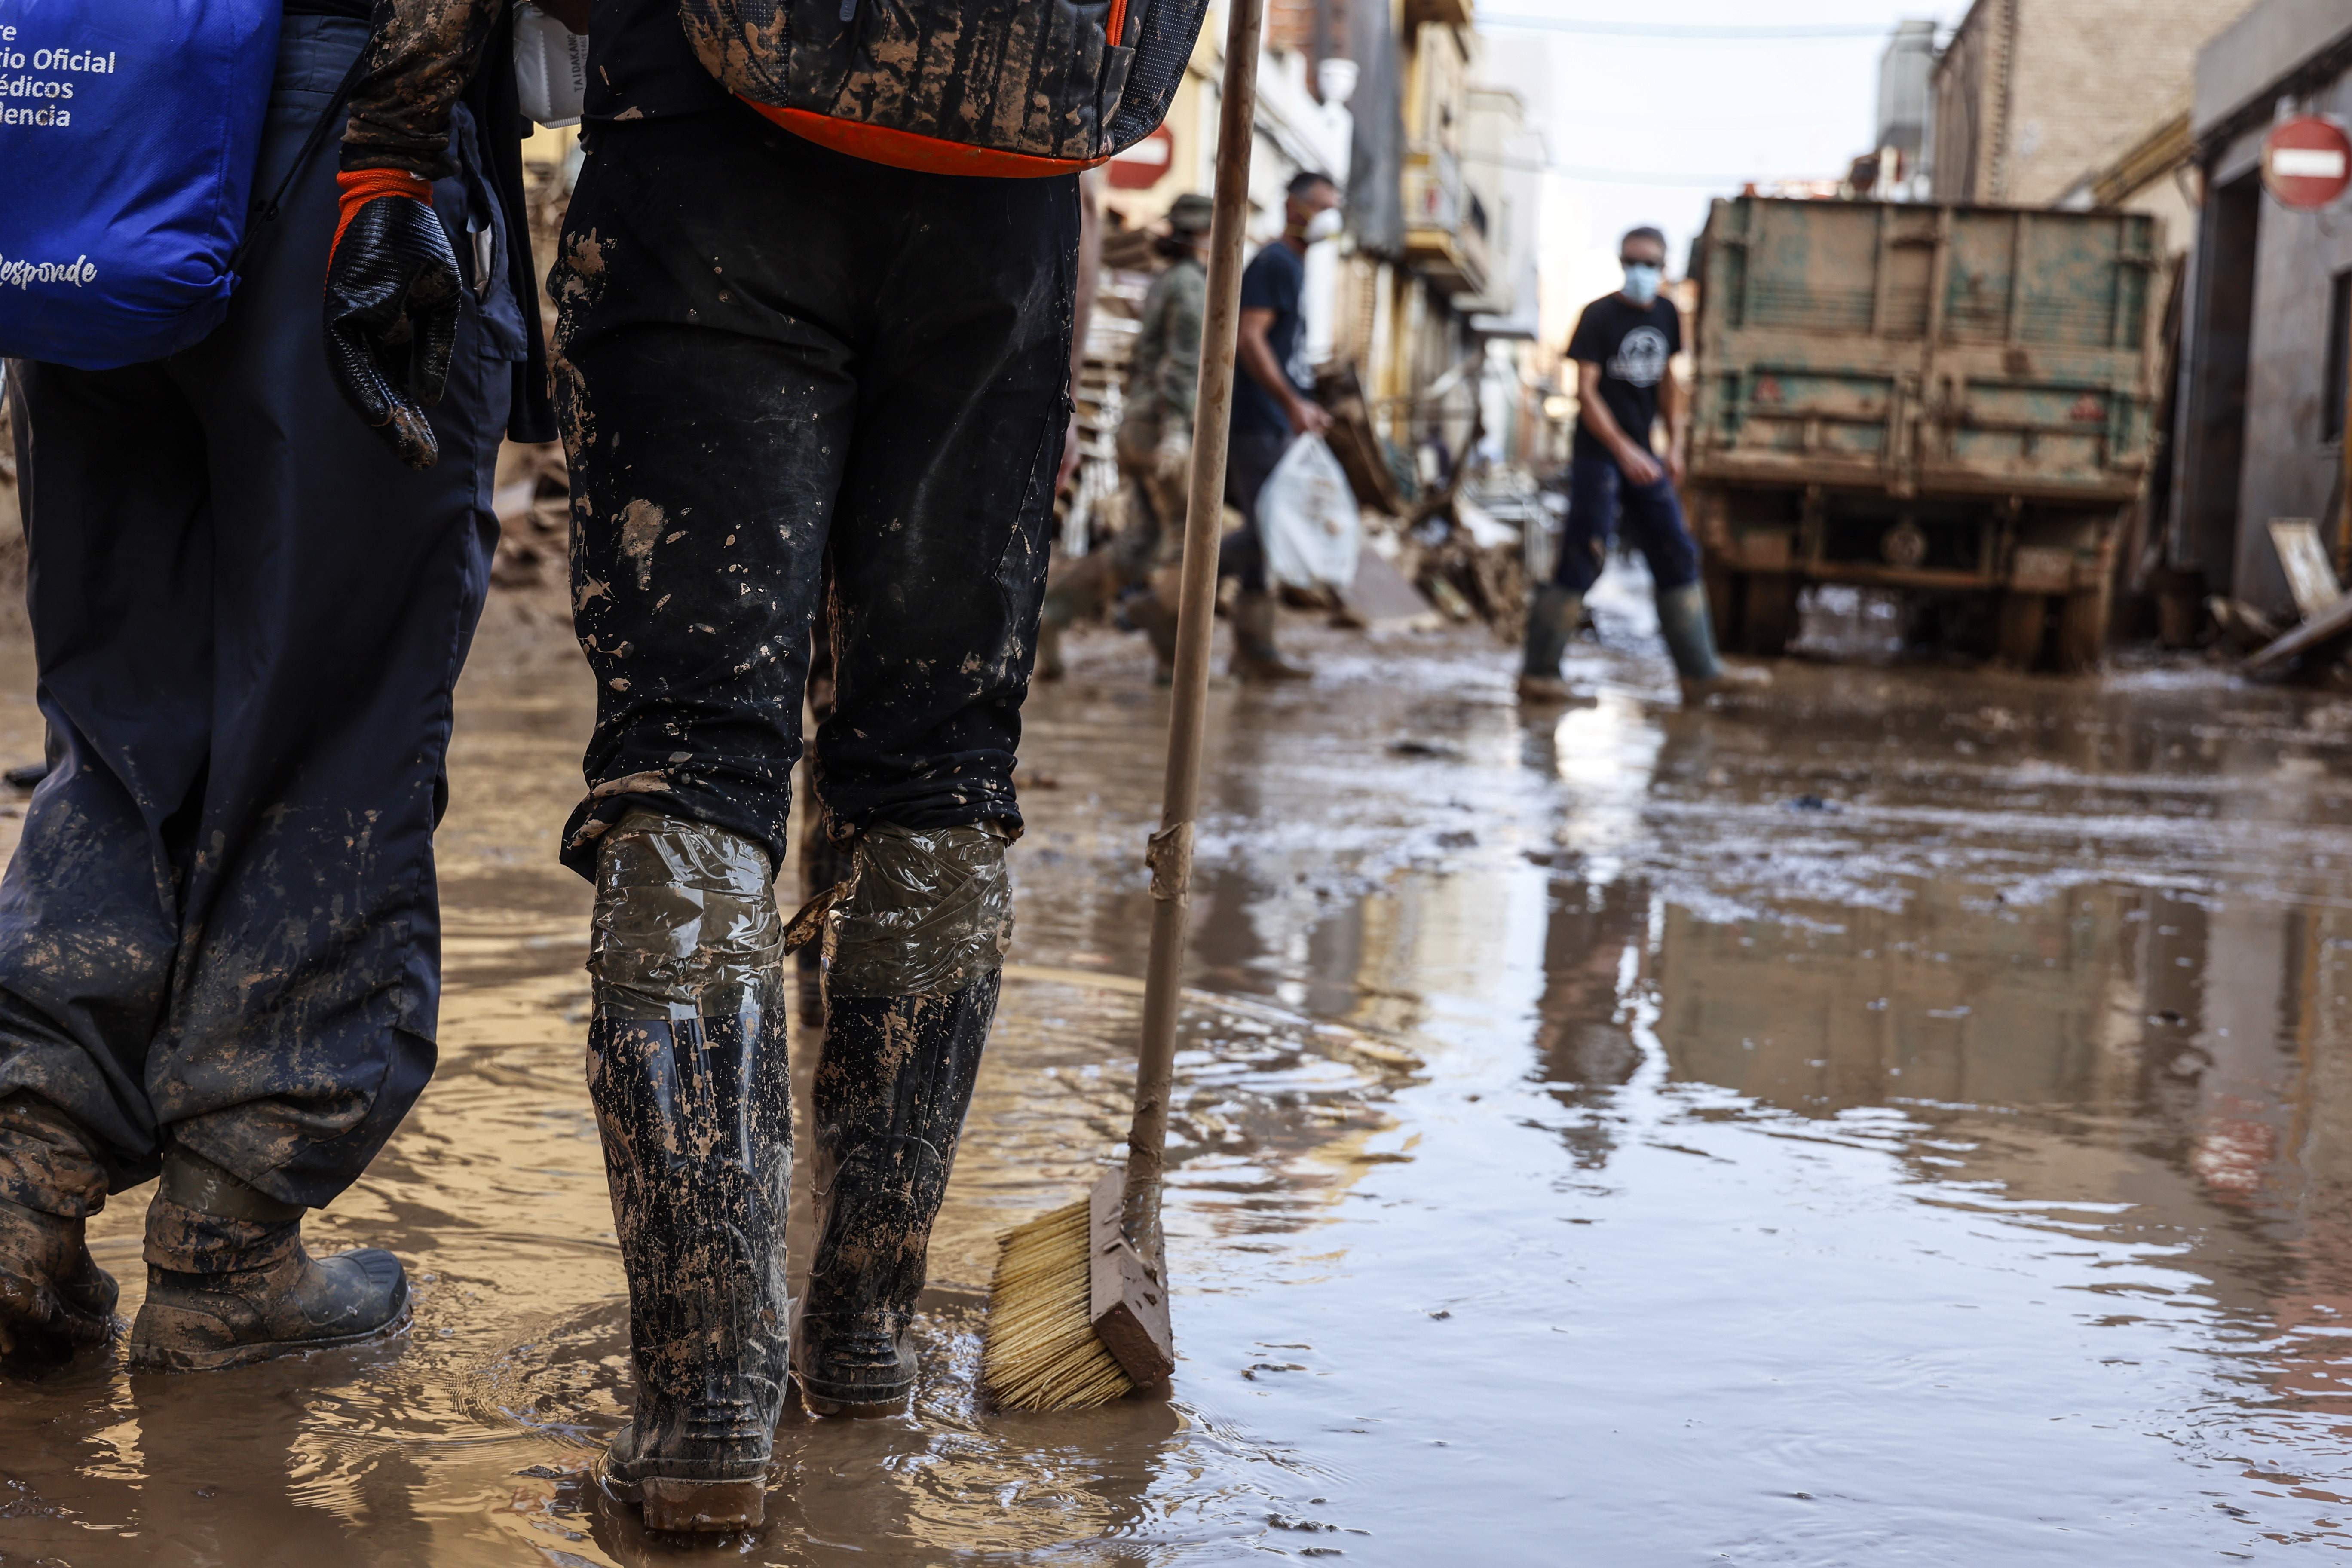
x=1955, y=403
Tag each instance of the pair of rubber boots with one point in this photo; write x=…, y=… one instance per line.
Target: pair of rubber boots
x=695, y=1116
x=228, y=1281
x=1683, y=622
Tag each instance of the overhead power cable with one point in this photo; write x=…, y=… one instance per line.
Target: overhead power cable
x=1694, y=32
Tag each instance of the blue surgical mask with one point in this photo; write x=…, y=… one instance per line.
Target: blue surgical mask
x=1642, y=281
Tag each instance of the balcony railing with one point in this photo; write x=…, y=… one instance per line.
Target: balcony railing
x=1440, y=236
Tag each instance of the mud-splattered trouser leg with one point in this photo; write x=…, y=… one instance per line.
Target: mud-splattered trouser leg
x=221, y=927
x=771, y=355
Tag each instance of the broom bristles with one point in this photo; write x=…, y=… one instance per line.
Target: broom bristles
x=1041, y=1351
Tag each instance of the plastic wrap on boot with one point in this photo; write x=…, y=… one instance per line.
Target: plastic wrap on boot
x=690, y=1081
x=686, y=922
x=924, y=910
x=891, y=1090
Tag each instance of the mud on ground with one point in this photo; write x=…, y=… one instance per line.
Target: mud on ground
x=1902, y=1117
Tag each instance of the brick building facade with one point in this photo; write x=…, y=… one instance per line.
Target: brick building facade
x=2029, y=94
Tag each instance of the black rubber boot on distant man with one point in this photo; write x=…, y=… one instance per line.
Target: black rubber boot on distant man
x=1552, y=620
x=1689, y=633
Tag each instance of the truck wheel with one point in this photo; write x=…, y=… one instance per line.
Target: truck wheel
x=2083, y=630
x=1767, y=613
x=2019, y=620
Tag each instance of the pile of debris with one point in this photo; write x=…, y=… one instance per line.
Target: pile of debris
x=2312, y=651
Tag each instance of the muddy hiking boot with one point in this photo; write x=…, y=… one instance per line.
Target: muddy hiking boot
x=1256, y=657
x=1552, y=620
x=892, y=1087
x=55, y=1299
x=690, y=1081
x=1684, y=622
x=228, y=1281
x=1145, y=611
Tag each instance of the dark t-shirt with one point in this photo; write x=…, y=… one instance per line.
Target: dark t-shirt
x=640, y=65
x=1274, y=281
x=1631, y=345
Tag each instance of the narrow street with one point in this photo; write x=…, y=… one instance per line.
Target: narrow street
x=1886, y=1119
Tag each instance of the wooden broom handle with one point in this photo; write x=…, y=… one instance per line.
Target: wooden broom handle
x=1170, y=855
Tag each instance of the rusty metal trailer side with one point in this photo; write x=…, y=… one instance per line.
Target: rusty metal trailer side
x=1954, y=401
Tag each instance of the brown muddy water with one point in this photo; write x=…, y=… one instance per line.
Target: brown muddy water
x=1904, y=1118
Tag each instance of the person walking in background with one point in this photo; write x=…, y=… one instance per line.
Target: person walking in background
x=1273, y=404
x=1155, y=452
x=1623, y=346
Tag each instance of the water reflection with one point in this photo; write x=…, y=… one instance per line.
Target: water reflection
x=1896, y=1118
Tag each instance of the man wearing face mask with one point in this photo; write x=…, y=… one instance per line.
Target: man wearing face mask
x=1273, y=404
x=1623, y=346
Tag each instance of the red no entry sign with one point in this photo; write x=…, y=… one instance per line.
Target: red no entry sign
x=2306, y=162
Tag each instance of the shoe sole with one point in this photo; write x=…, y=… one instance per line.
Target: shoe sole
x=864, y=1407
x=691, y=1508
x=153, y=1359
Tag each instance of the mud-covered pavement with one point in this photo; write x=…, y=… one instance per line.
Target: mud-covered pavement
x=1904, y=1118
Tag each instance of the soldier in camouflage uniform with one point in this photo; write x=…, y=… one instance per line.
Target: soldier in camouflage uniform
x=1155, y=449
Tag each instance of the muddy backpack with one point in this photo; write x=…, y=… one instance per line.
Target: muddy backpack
x=1012, y=87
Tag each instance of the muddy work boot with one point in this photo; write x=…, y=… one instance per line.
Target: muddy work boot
x=1145, y=611
x=228, y=1281
x=1076, y=593
x=1552, y=620
x=691, y=1086
x=1254, y=655
x=912, y=972
x=54, y=1298
x=1683, y=621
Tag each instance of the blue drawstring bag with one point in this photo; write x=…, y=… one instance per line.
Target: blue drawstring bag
x=129, y=130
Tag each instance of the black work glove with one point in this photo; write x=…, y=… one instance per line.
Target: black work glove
x=392, y=308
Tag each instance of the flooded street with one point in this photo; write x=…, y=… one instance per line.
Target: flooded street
x=1903, y=1116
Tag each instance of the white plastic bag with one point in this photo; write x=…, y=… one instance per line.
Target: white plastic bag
x=1306, y=519
x=550, y=67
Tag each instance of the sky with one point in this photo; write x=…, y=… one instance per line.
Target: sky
x=1649, y=128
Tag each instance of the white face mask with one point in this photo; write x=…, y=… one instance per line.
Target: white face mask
x=1641, y=281
x=1323, y=225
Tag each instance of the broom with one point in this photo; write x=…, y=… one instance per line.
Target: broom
x=1077, y=1314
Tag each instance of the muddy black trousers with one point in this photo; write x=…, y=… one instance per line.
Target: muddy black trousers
x=772, y=359
x=220, y=928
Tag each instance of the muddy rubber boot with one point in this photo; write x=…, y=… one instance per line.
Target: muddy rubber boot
x=892, y=1087
x=1144, y=611
x=1552, y=620
x=54, y=1298
x=1684, y=622
x=228, y=1281
x=1254, y=655
x=695, y=1115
